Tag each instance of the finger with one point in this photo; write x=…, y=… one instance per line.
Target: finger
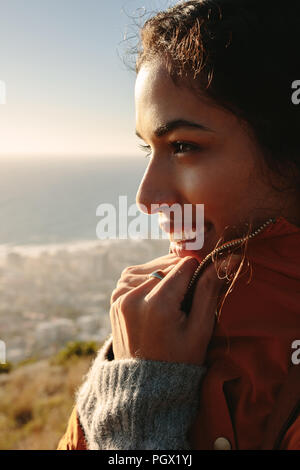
x=131, y=298
x=156, y=264
x=136, y=280
x=172, y=288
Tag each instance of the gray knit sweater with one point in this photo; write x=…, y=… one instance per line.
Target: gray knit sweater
x=133, y=404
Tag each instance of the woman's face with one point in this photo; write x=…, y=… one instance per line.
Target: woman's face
x=209, y=160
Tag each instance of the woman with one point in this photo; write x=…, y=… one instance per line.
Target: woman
x=213, y=105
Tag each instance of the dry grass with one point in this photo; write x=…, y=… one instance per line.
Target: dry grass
x=36, y=401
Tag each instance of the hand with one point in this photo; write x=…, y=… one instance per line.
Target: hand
x=147, y=321
x=133, y=276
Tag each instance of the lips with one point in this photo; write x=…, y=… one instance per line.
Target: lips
x=183, y=248
x=187, y=235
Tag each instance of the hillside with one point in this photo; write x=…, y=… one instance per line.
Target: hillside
x=36, y=400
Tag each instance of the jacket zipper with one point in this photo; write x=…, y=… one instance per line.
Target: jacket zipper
x=186, y=304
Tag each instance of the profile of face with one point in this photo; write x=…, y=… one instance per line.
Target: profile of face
x=199, y=153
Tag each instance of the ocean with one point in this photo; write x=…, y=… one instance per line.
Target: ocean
x=54, y=200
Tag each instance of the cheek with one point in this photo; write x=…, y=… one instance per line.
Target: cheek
x=218, y=187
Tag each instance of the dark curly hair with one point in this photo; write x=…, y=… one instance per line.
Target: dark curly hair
x=243, y=54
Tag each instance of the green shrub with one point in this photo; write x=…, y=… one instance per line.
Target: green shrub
x=5, y=368
x=75, y=349
x=25, y=362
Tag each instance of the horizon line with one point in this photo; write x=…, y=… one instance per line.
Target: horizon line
x=68, y=155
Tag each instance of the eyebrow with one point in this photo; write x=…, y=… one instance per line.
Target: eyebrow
x=173, y=125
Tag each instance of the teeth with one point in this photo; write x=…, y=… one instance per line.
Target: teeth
x=187, y=235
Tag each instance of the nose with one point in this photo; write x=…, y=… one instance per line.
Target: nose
x=157, y=188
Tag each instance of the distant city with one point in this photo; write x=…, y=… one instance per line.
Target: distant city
x=49, y=298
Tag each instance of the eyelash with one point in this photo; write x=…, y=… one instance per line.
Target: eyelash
x=146, y=148
x=193, y=147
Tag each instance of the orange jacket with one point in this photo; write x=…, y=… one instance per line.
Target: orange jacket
x=249, y=356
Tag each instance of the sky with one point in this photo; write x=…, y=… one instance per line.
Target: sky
x=68, y=91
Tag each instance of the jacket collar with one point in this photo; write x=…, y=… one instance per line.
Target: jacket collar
x=280, y=228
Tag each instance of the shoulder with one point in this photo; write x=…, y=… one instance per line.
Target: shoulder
x=74, y=438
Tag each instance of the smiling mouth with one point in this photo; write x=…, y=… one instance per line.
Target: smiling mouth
x=188, y=235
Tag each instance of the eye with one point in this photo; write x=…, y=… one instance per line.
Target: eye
x=184, y=147
x=146, y=148
x=179, y=148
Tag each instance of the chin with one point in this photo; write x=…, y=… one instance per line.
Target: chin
x=182, y=253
